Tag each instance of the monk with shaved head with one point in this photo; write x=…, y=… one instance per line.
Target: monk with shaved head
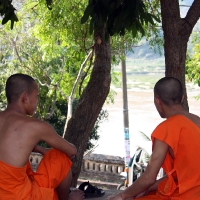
x=169, y=90
x=175, y=148
x=20, y=133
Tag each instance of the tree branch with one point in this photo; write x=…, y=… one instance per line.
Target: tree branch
x=71, y=97
x=83, y=77
x=15, y=49
x=193, y=13
x=80, y=72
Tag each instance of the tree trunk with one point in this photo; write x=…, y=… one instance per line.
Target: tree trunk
x=177, y=31
x=91, y=101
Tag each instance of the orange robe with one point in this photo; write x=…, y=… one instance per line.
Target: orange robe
x=21, y=183
x=183, y=136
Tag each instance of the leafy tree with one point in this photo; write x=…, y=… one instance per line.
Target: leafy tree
x=28, y=57
x=97, y=89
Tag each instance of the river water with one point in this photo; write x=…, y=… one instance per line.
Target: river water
x=143, y=117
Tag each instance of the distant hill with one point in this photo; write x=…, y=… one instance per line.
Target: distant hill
x=143, y=51
x=146, y=60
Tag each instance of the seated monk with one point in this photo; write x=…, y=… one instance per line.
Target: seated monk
x=175, y=148
x=19, y=136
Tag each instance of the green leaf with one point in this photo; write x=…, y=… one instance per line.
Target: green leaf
x=134, y=31
x=117, y=26
x=14, y=17
x=1, y=7
x=114, y=58
x=49, y=4
x=13, y=20
x=156, y=18
x=12, y=24
x=7, y=16
x=87, y=13
x=150, y=18
x=122, y=31
x=110, y=22
x=91, y=28
x=102, y=11
x=146, y=19
x=140, y=28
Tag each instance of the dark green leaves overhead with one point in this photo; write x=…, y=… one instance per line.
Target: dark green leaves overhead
x=8, y=12
x=49, y=4
x=87, y=13
x=119, y=16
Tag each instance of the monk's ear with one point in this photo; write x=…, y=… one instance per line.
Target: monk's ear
x=157, y=100
x=183, y=97
x=24, y=97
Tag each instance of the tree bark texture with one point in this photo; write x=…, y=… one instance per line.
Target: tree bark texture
x=91, y=101
x=177, y=31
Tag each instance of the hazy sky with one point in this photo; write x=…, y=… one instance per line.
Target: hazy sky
x=184, y=9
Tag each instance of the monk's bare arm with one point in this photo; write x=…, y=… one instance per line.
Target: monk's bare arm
x=153, y=187
x=47, y=134
x=148, y=178
x=39, y=149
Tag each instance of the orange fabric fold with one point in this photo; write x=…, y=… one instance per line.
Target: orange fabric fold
x=21, y=183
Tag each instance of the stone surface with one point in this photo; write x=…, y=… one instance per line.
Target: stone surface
x=102, y=158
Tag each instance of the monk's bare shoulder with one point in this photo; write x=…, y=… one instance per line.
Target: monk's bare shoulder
x=194, y=118
x=11, y=122
x=37, y=126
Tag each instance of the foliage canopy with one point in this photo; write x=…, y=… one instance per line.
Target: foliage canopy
x=118, y=16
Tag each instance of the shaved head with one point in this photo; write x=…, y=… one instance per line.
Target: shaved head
x=169, y=90
x=17, y=84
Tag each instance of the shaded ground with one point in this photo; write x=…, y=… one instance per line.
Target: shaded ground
x=109, y=188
